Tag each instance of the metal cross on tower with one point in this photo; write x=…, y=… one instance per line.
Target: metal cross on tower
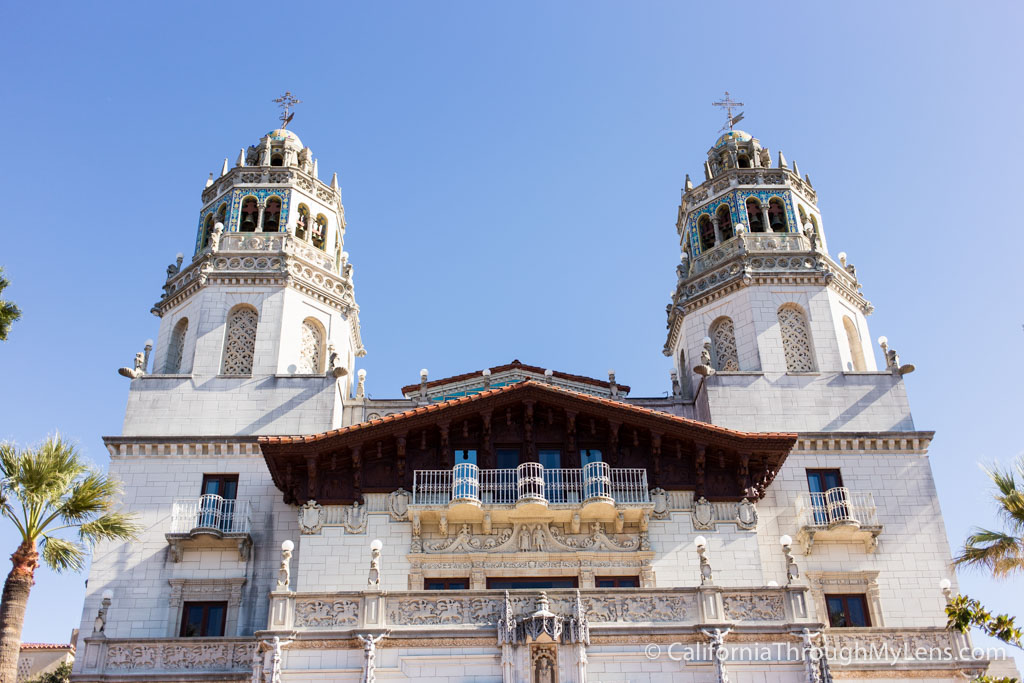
x=286, y=102
x=727, y=103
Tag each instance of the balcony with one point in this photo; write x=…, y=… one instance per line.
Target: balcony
x=838, y=515
x=209, y=521
x=597, y=491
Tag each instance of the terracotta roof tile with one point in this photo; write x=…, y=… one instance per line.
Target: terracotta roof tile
x=522, y=386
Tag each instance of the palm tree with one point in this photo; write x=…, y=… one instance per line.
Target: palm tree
x=50, y=493
x=8, y=311
x=1001, y=552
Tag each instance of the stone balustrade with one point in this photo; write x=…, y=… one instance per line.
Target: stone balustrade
x=480, y=610
x=113, y=657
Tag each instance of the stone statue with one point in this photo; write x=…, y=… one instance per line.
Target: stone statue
x=275, y=659
x=373, y=580
x=524, y=539
x=544, y=672
x=538, y=538
x=252, y=155
x=265, y=151
x=284, y=572
x=370, y=653
x=765, y=157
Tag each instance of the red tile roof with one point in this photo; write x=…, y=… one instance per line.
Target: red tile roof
x=777, y=437
x=515, y=365
x=47, y=646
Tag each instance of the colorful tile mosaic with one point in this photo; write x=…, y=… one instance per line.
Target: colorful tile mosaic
x=234, y=202
x=736, y=201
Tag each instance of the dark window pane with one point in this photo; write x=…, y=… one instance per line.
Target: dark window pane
x=836, y=616
x=508, y=458
x=512, y=584
x=215, y=620
x=617, y=582
x=856, y=614
x=193, y=621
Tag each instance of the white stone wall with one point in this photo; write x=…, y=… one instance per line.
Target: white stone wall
x=138, y=572
x=335, y=560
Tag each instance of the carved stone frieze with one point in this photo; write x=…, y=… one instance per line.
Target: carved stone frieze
x=317, y=612
x=753, y=607
x=194, y=657
x=537, y=538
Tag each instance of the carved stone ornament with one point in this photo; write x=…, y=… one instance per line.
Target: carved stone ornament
x=660, y=499
x=702, y=514
x=746, y=514
x=312, y=517
x=398, y=505
x=355, y=518
x=535, y=538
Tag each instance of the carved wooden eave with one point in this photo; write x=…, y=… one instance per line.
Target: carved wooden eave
x=380, y=456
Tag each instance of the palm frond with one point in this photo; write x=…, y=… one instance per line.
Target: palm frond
x=1009, y=496
x=999, y=552
x=113, y=526
x=61, y=554
x=90, y=495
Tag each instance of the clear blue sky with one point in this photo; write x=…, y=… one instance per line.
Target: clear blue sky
x=511, y=174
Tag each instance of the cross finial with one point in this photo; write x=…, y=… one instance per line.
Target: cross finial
x=286, y=102
x=727, y=103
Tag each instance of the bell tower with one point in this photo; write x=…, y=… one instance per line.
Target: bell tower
x=259, y=332
x=767, y=330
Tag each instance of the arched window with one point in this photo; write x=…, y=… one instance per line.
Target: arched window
x=320, y=231
x=176, y=347
x=302, y=224
x=743, y=161
x=277, y=160
x=856, y=348
x=723, y=345
x=777, y=215
x=311, y=345
x=724, y=222
x=272, y=215
x=754, y=215
x=803, y=216
x=222, y=214
x=814, y=227
x=250, y=215
x=796, y=339
x=240, y=341
x=207, y=231
x=706, y=232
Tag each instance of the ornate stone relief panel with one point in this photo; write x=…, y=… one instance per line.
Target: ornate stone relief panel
x=547, y=538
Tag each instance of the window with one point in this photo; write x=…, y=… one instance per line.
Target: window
x=828, y=497
x=589, y=455
x=796, y=341
x=777, y=215
x=617, y=582
x=176, y=347
x=302, y=224
x=446, y=584
x=846, y=610
x=277, y=160
x=755, y=217
x=803, y=216
x=272, y=215
x=240, y=341
x=723, y=345
x=250, y=215
x=311, y=348
x=706, y=232
x=554, y=482
x=743, y=161
x=724, y=222
x=217, y=502
x=222, y=214
x=508, y=458
x=200, y=619
x=502, y=583
x=856, y=349
x=320, y=231
x=207, y=231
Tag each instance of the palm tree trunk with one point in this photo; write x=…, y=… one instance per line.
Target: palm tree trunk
x=12, y=608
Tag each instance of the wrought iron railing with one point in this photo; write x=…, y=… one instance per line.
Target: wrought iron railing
x=531, y=481
x=210, y=513
x=837, y=506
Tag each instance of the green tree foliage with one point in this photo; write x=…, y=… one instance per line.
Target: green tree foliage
x=8, y=311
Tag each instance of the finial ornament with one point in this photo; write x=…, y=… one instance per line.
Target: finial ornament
x=728, y=104
x=287, y=102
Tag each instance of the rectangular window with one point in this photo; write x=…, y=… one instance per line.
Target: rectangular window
x=617, y=582
x=200, y=619
x=508, y=458
x=462, y=456
x=847, y=610
x=828, y=498
x=502, y=583
x=217, y=502
x=589, y=455
x=554, y=483
x=446, y=584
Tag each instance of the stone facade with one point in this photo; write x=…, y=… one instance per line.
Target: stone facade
x=780, y=501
